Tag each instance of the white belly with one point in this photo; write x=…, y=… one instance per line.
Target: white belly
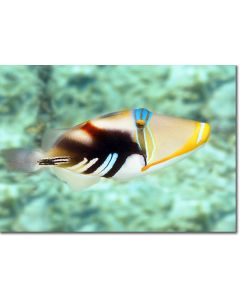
x=134, y=164
x=131, y=168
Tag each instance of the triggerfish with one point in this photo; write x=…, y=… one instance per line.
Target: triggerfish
x=120, y=145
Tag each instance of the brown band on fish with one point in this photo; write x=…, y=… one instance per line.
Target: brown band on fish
x=104, y=142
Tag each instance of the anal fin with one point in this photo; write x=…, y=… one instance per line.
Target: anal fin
x=74, y=180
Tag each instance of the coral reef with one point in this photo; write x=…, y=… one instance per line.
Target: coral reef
x=196, y=195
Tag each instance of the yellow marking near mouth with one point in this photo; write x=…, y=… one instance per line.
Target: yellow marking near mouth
x=200, y=136
x=150, y=143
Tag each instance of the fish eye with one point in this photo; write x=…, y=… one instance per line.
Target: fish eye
x=140, y=123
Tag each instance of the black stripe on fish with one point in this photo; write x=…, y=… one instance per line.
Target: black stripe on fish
x=94, y=167
x=104, y=142
x=53, y=161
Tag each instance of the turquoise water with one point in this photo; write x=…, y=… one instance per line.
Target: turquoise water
x=195, y=195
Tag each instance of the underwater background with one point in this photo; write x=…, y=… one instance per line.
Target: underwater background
x=197, y=194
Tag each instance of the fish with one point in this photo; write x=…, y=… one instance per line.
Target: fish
x=120, y=146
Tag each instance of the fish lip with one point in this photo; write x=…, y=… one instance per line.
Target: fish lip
x=204, y=133
x=200, y=136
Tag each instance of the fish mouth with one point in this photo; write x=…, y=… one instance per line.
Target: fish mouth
x=200, y=136
x=203, y=131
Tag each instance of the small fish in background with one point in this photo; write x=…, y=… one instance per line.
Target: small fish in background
x=120, y=145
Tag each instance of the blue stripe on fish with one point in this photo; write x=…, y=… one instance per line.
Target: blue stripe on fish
x=142, y=114
x=110, y=164
x=104, y=164
x=136, y=114
x=149, y=116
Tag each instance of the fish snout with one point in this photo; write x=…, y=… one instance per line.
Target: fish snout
x=200, y=136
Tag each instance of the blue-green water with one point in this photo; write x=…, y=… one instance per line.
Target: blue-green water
x=195, y=195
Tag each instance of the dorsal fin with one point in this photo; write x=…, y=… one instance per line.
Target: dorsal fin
x=50, y=136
